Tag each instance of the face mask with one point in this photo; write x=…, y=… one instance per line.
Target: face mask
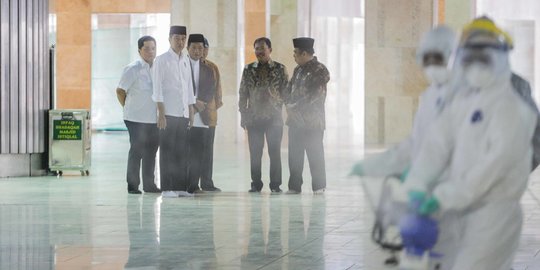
x=479, y=75
x=437, y=74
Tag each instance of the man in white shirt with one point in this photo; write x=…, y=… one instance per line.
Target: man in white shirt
x=134, y=93
x=204, y=85
x=173, y=93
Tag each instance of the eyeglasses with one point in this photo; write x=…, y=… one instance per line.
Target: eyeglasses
x=433, y=58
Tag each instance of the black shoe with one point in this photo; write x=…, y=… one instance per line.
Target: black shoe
x=212, y=189
x=254, y=190
x=134, y=192
x=292, y=192
x=156, y=190
x=195, y=191
x=276, y=190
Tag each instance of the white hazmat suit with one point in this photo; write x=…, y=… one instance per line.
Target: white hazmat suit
x=433, y=100
x=483, y=140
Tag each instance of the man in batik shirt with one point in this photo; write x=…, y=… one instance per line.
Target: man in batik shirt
x=306, y=95
x=261, y=106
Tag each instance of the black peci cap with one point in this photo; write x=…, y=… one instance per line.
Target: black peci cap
x=177, y=30
x=195, y=38
x=303, y=43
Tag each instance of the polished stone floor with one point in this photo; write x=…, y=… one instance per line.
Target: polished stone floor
x=76, y=222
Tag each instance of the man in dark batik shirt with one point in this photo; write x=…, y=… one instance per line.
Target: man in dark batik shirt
x=306, y=95
x=261, y=106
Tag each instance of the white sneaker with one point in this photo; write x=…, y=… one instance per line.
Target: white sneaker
x=169, y=194
x=318, y=191
x=182, y=193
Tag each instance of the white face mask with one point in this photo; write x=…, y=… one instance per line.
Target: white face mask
x=479, y=75
x=437, y=74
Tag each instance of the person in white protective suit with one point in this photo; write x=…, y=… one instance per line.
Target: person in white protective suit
x=483, y=139
x=433, y=55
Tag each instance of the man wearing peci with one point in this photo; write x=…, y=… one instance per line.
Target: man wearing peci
x=173, y=93
x=204, y=88
x=207, y=181
x=306, y=96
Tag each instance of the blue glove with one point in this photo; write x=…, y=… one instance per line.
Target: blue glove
x=357, y=170
x=429, y=206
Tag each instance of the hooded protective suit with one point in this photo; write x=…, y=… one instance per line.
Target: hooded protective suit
x=396, y=160
x=483, y=140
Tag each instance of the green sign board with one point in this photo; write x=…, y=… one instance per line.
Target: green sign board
x=67, y=130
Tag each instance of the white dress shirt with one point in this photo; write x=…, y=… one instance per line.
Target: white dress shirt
x=136, y=80
x=197, y=120
x=172, y=83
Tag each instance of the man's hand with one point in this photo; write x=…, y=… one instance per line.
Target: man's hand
x=121, y=95
x=200, y=106
x=162, y=121
x=191, y=115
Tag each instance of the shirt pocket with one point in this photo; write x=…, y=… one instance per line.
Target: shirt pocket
x=145, y=80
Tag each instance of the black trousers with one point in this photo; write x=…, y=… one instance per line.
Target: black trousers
x=207, y=182
x=256, y=135
x=310, y=142
x=196, y=139
x=173, y=154
x=143, y=139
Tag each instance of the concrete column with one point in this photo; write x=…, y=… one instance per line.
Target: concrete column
x=393, y=79
x=73, y=54
x=255, y=26
x=283, y=28
x=459, y=12
x=221, y=22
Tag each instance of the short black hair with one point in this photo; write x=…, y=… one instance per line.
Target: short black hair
x=265, y=39
x=309, y=51
x=143, y=39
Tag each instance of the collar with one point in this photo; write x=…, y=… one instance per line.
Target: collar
x=143, y=63
x=270, y=63
x=172, y=53
x=193, y=61
x=314, y=60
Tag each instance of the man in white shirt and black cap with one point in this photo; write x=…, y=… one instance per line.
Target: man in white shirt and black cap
x=173, y=92
x=134, y=93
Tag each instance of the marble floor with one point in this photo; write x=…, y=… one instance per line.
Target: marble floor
x=76, y=222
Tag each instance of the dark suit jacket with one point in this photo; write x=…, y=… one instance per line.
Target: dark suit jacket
x=207, y=88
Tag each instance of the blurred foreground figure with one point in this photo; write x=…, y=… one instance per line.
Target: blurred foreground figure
x=483, y=139
x=433, y=55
